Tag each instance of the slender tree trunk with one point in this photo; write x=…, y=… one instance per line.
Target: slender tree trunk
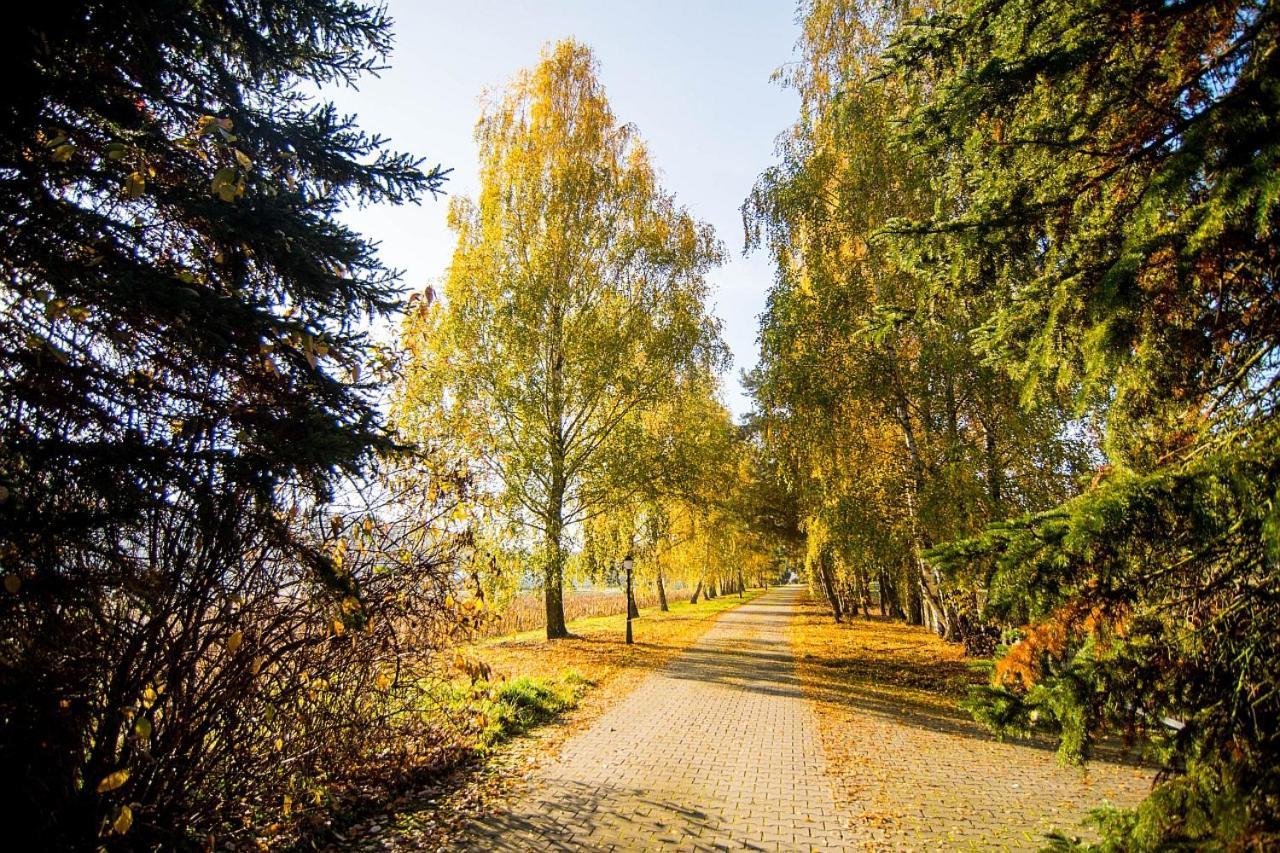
x=554, y=593
x=864, y=581
x=662, y=594
x=915, y=607
x=828, y=586
x=554, y=579
x=632, y=610
x=697, y=590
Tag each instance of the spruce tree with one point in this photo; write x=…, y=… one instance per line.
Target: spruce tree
x=181, y=344
x=1110, y=172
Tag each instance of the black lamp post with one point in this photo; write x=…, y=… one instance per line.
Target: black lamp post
x=627, y=562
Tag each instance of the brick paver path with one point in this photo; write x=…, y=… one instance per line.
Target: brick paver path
x=722, y=750
x=719, y=750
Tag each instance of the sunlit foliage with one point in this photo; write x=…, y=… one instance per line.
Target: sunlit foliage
x=574, y=305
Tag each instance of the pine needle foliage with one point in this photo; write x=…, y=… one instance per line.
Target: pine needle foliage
x=1109, y=181
x=181, y=390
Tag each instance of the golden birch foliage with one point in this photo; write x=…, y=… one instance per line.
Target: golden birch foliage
x=575, y=301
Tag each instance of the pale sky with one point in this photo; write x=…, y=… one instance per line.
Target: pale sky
x=693, y=76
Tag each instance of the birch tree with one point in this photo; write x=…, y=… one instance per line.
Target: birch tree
x=575, y=301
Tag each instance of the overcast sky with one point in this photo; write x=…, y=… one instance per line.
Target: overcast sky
x=693, y=76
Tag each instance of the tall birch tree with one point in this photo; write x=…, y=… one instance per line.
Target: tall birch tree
x=575, y=301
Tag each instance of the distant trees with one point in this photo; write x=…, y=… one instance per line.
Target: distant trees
x=1019, y=367
x=183, y=384
x=575, y=304
x=676, y=515
x=890, y=432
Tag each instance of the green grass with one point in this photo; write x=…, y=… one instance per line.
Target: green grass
x=501, y=711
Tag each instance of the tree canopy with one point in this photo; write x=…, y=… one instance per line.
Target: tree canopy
x=1021, y=357
x=181, y=389
x=574, y=305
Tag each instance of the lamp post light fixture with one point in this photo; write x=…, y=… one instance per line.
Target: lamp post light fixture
x=627, y=563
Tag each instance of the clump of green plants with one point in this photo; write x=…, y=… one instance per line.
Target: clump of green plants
x=502, y=710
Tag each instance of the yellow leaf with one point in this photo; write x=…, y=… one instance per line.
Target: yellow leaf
x=113, y=780
x=279, y=744
x=256, y=667
x=383, y=681
x=12, y=583
x=338, y=627
x=63, y=152
x=142, y=728
x=134, y=185
x=234, y=641
x=123, y=820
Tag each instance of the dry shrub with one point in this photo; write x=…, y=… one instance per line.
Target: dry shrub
x=224, y=673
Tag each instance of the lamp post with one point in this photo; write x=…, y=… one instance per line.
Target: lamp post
x=627, y=562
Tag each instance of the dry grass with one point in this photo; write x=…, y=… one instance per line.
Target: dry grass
x=598, y=651
x=898, y=663
x=526, y=612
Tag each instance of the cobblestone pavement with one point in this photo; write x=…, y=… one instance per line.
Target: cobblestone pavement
x=718, y=751
x=723, y=750
x=913, y=773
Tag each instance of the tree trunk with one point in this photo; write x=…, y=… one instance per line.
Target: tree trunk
x=632, y=610
x=662, y=594
x=554, y=517
x=915, y=608
x=995, y=474
x=554, y=576
x=697, y=590
x=828, y=587
x=939, y=618
x=864, y=580
x=554, y=596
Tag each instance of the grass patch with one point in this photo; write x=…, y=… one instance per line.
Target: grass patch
x=500, y=711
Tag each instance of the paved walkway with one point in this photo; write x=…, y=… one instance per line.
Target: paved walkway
x=722, y=750
x=718, y=751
